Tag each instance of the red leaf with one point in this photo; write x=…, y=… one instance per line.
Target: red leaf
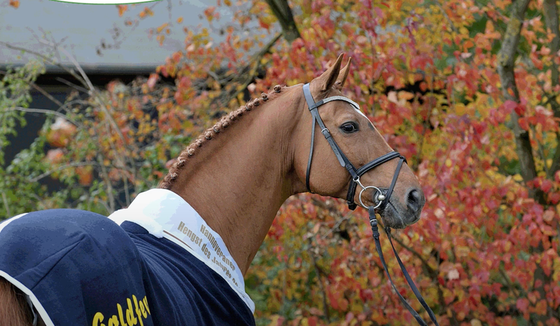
x=520, y=110
x=312, y=321
x=546, y=185
x=554, y=198
x=522, y=304
x=509, y=105
x=264, y=25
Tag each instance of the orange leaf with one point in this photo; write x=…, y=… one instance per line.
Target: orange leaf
x=405, y=95
x=532, y=297
x=122, y=9
x=209, y=12
x=85, y=175
x=159, y=29
x=55, y=155
x=540, y=308
x=160, y=39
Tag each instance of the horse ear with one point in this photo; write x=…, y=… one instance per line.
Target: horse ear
x=328, y=78
x=342, y=75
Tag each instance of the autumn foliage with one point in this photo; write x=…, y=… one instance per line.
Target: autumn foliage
x=486, y=251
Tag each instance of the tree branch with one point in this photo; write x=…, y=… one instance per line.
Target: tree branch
x=84, y=80
x=256, y=60
x=318, y=271
x=281, y=9
x=46, y=58
x=45, y=94
x=60, y=168
x=5, y=200
x=43, y=111
x=105, y=176
x=550, y=10
x=506, y=65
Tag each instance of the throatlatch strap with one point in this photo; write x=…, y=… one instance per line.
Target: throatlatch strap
x=375, y=230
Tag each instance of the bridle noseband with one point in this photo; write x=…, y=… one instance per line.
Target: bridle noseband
x=382, y=198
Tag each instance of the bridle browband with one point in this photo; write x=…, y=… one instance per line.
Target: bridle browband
x=381, y=198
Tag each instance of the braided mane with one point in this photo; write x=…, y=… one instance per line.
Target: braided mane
x=212, y=132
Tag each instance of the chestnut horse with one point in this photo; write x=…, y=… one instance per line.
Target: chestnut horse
x=144, y=265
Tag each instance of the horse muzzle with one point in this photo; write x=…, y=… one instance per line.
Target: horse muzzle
x=397, y=215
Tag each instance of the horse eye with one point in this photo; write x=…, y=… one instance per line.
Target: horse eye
x=349, y=127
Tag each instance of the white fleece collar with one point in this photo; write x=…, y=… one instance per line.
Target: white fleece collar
x=165, y=214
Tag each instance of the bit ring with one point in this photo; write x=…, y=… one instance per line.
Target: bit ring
x=379, y=198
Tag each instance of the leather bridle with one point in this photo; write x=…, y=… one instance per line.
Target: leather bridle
x=381, y=198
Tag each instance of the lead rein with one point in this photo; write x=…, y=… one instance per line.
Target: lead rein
x=375, y=230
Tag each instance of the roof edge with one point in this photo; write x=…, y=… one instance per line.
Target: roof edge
x=101, y=69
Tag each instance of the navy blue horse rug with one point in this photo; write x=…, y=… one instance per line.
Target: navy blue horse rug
x=154, y=263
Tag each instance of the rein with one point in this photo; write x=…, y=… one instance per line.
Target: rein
x=382, y=198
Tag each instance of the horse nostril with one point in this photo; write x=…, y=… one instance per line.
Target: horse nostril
x=415, y=200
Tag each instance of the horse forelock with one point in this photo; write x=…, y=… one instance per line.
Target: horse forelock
x=213, y=131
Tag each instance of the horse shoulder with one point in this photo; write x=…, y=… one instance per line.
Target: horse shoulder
x=14, y=309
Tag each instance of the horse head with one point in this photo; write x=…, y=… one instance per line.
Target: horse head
x=324, y=171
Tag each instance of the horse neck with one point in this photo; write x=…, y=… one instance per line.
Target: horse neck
x=238, y=180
